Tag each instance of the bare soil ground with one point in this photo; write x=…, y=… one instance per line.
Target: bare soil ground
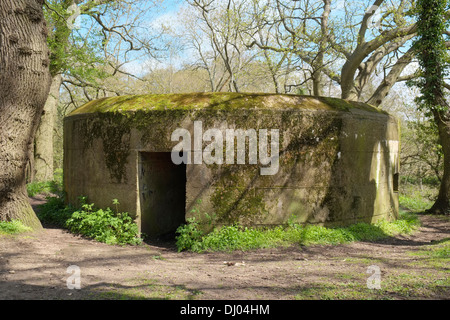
x=34, y=266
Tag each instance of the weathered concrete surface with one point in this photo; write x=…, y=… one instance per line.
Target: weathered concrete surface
x=337, y=160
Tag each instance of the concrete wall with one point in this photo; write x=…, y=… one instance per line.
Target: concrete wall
x=336, y=165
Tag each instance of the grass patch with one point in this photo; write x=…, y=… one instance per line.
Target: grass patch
x=12, y=227
x=425, y=277
x=341, y=290
x=43, y=187
x=406, y=224
x=415, y=203
x=417, y=199
x=435, y=257
x=439, y=250
x=229, y=238
x=442, y=252
x=393, y=287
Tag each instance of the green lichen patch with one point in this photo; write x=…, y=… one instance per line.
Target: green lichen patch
x=219, y=101
x=235, y=198
x=114, y=132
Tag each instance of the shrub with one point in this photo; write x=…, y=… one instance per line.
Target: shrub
x=189, y=235
x=104, y=225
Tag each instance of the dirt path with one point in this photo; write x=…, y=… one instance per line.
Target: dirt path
x=34, y=266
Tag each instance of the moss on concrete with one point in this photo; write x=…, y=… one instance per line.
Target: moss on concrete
x=218, y=101
x=114, y=131
x=235, y=200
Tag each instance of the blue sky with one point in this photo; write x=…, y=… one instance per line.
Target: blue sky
x=155, y=13
x=165, y=13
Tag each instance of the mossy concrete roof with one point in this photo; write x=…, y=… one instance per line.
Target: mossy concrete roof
x=219, y=101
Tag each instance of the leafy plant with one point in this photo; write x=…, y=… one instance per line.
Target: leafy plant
x=104, y=225
x=189, y=235
x=116, y=203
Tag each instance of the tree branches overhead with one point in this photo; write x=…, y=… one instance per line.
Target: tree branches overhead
x=347, y=43
x=319, y=47
x=92, y=41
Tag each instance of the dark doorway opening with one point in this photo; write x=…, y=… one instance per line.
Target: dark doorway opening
x=395, y=182
x=162, y=191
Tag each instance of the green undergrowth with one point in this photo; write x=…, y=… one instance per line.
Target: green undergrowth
x=415, y=203
x=12, y=227
x=103, y=225
x=46, y=188
x=416, y=198
x=235, y=237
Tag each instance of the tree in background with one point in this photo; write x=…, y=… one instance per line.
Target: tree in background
x=354, y=44
x=65, y=57
x=24, y=85
x=222, y=22
x=85, y=52
x=421, y=152
x=434, y=63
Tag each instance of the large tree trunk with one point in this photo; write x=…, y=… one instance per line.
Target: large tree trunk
x=24, y=86
x=431, y=47
x=442, y=203
x=43, y=145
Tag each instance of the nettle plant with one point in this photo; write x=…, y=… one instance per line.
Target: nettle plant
x=104, y=225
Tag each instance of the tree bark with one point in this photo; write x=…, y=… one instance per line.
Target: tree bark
x=24, y=86
x=432, y=54
x=43, y=142
x=442, y=203
x=392, y=77
x=354, y=60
